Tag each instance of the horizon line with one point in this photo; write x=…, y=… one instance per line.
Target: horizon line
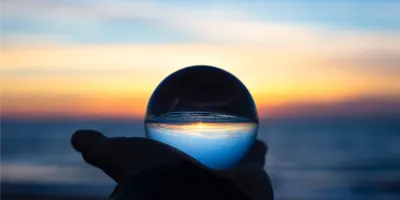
x=141, y=119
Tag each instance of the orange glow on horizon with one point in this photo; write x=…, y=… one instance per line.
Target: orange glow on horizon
x=117, y=80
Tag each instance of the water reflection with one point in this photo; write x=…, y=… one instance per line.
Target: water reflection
x=205, y=129
x=216, y=145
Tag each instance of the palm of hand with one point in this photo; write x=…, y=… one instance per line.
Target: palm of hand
x=148, y=160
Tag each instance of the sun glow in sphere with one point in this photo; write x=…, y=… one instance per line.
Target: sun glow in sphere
x=205, y=112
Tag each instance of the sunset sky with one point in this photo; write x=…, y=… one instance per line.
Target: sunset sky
x=73, y=58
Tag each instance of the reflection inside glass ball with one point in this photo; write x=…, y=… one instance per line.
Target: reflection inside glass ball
x=218, y=141
x=205, y=112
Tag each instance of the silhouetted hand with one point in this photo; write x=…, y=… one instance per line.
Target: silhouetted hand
x=147, y=169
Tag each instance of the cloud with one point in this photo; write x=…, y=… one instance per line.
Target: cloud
x=366, y=105
x=104, y=9
x=28, y=72
x=338, y=9
x=277, y=60
x=24, y=40
x=204, y=130
x=217, y=26
x=378, y=63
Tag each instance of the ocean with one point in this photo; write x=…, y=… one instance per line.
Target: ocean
x=308, y=158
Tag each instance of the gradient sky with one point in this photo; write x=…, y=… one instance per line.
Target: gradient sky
x=104, y=58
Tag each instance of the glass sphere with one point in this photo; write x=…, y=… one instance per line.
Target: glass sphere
x=205, y=112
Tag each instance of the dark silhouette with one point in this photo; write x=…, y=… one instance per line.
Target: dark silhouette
x=147, y=169
x=202, y=88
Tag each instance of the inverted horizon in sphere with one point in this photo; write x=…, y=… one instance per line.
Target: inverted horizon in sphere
x=206, y=112
x=205, y=129
x=216, y=145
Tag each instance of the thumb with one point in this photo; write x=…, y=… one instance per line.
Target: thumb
x=94, y=149
x=118, y=156
x=85, y=141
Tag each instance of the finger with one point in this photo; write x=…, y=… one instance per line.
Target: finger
x=250, y=174
x=95, y=150
x=118, y=156
x=256, y=154
x=84, y=140
x=251, y=178
x=91, y=144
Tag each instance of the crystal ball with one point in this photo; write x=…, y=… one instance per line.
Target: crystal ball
x=205, y=112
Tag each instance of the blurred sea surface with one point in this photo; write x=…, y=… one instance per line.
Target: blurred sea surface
x=308, y=158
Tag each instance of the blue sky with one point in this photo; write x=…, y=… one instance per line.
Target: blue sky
x=155, y=21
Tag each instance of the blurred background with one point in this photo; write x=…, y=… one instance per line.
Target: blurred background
x=325, y=76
